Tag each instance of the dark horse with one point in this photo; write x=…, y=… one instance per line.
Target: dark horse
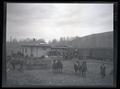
x=17, y=62
x=57, y=66
x=82, y=69
x=76, y=66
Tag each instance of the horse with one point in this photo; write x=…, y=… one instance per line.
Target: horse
x=80, y=68
x=17, y=62
x=57, y=66
x=76, y=67
x=54, y=66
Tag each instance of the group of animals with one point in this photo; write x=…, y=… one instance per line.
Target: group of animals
x=16, y=62
x=57, y=67
x=81, y=68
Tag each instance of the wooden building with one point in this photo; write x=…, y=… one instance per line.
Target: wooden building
x=35, y=50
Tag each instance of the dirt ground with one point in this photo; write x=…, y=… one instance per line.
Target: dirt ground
x=46, y=77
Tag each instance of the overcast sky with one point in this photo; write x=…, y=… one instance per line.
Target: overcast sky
x=49, y=21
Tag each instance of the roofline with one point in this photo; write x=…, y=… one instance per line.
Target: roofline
x=34, y=46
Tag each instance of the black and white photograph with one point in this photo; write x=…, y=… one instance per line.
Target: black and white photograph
x=60, y=44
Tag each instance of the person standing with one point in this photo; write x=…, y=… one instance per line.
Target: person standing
x=103, y=70
x=84, y=69
x=80, y=69
x=59, y=66
x=111, y=72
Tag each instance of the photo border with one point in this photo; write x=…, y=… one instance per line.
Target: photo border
x=115, y=32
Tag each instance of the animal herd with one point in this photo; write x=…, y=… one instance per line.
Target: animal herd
x=79, y=68
x=57, y=67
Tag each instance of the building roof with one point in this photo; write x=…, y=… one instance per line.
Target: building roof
x=61, y=47
x=35, y=45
